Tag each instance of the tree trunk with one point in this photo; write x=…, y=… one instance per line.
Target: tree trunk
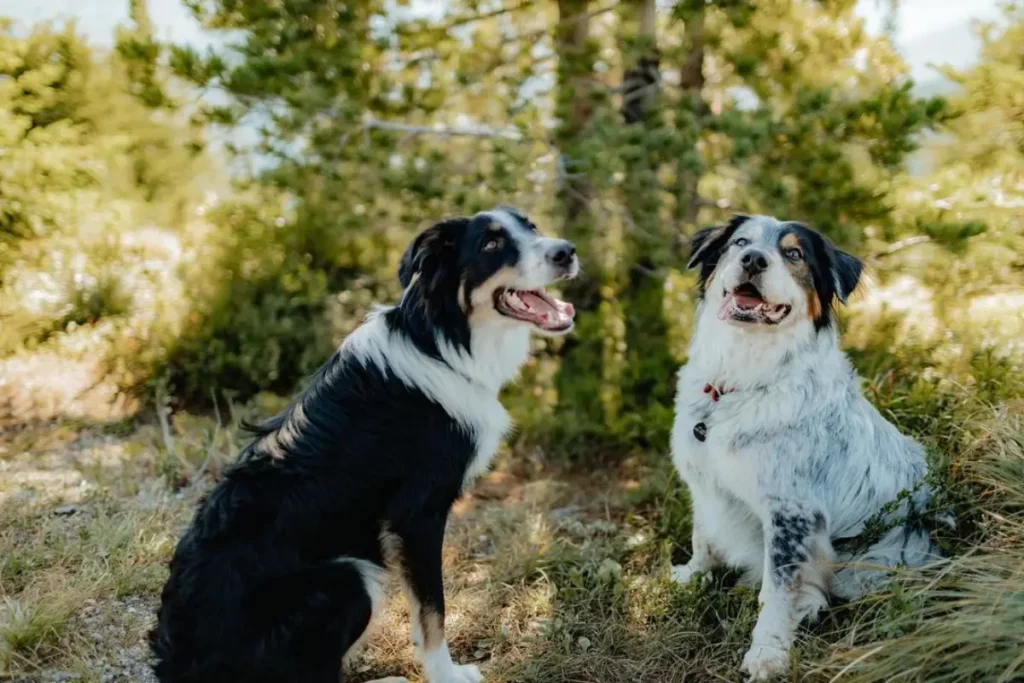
x=692, y=111
x=647, y=367
x=580, y=377
x=574, y=108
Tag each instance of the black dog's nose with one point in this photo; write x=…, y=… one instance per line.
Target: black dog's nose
x=561, y=254
x=754, y=261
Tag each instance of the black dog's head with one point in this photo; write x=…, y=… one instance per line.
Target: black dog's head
x=761, y=271
x=489, y=269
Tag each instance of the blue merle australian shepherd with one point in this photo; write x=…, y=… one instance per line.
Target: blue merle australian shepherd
x=784, y=458
x=279, y=574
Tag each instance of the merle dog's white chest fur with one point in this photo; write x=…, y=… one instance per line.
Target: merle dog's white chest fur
x=780, y=451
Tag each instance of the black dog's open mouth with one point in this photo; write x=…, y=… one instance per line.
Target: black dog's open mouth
x=745, y=304
x=535, y=307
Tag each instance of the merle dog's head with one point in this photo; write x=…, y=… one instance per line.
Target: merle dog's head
x=488, y=269
x=759, y=271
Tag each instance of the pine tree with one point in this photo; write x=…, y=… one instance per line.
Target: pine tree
x=784, y=107
x=629, y=127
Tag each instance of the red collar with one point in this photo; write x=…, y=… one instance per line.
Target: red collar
x=716, y=392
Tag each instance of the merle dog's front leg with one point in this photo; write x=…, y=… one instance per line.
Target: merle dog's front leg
x=420, y=554
x=798, y=557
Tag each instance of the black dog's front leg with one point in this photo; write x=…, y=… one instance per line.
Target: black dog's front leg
x=419, y=552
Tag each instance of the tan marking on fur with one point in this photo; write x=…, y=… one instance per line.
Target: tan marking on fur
x=495, y=226
x=813, y=305
x=432, y=624
x=463, y=304
x=428, y=624
x=275, y=443
x=790, y=240
x=390, y=548
x=801, y=273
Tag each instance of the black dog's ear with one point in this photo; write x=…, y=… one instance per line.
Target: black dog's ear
x=846, y=272
x=706, y=245
x=428, y=250
x=412, y=259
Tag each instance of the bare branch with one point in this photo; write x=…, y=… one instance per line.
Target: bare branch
x=213, y=441
x=900, y=245
x=462, y=21
x=165, y=430
x=482, y=132
x=432, y=54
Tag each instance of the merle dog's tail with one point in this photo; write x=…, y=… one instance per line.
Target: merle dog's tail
x=867, y=563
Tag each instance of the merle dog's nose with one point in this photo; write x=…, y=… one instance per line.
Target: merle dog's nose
x=561, y=253
x=754, y=261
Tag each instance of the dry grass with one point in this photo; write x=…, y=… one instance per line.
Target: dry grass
x=553, y=576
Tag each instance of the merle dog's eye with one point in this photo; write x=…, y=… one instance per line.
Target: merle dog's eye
x=741, y=241
x=794, y=254
x=494, y=245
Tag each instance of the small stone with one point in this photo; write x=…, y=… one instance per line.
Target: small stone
x=559, y=513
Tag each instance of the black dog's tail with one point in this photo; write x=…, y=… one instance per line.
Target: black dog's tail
x=268, y=426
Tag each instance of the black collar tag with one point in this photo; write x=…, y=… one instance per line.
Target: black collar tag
x=700, y=431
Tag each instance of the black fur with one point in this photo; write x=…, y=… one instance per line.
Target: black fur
x=446, y=259
x=836, y=273
x=707, y=245
x=256, y=592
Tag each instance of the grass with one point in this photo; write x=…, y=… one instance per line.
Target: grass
x=554, y=575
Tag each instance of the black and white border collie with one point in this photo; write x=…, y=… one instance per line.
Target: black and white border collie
x=278, y=576
x=784, y=458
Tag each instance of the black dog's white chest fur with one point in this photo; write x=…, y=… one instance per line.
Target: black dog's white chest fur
x=278, y=576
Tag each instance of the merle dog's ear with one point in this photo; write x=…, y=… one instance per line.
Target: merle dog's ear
x=429, y=250
x=706, y=245
x=838, y=270
x=846, y=272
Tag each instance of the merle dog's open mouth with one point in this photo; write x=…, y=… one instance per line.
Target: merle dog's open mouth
x=536, y=307
x=746, y=304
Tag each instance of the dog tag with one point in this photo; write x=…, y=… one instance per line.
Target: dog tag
x=700, y=431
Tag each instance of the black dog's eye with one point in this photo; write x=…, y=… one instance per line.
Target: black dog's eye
x=494, y=245
x=794, y=254
x=741, y=241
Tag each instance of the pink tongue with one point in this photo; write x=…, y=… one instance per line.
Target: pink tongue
x=747, y=302
x=537, y=305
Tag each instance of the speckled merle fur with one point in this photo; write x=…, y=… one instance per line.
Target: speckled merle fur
x=278, y=575
x=795, y=458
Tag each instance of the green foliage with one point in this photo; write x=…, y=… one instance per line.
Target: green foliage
x=366, y=130
x=279, y=336
x=354, y=124
x=97, y=189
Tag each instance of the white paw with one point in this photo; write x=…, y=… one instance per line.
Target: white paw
x=460, y=673
x=764, y=662
x=682, y=573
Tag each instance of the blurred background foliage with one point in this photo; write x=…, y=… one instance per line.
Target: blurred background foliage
x=187, y=233
x=207, y=224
